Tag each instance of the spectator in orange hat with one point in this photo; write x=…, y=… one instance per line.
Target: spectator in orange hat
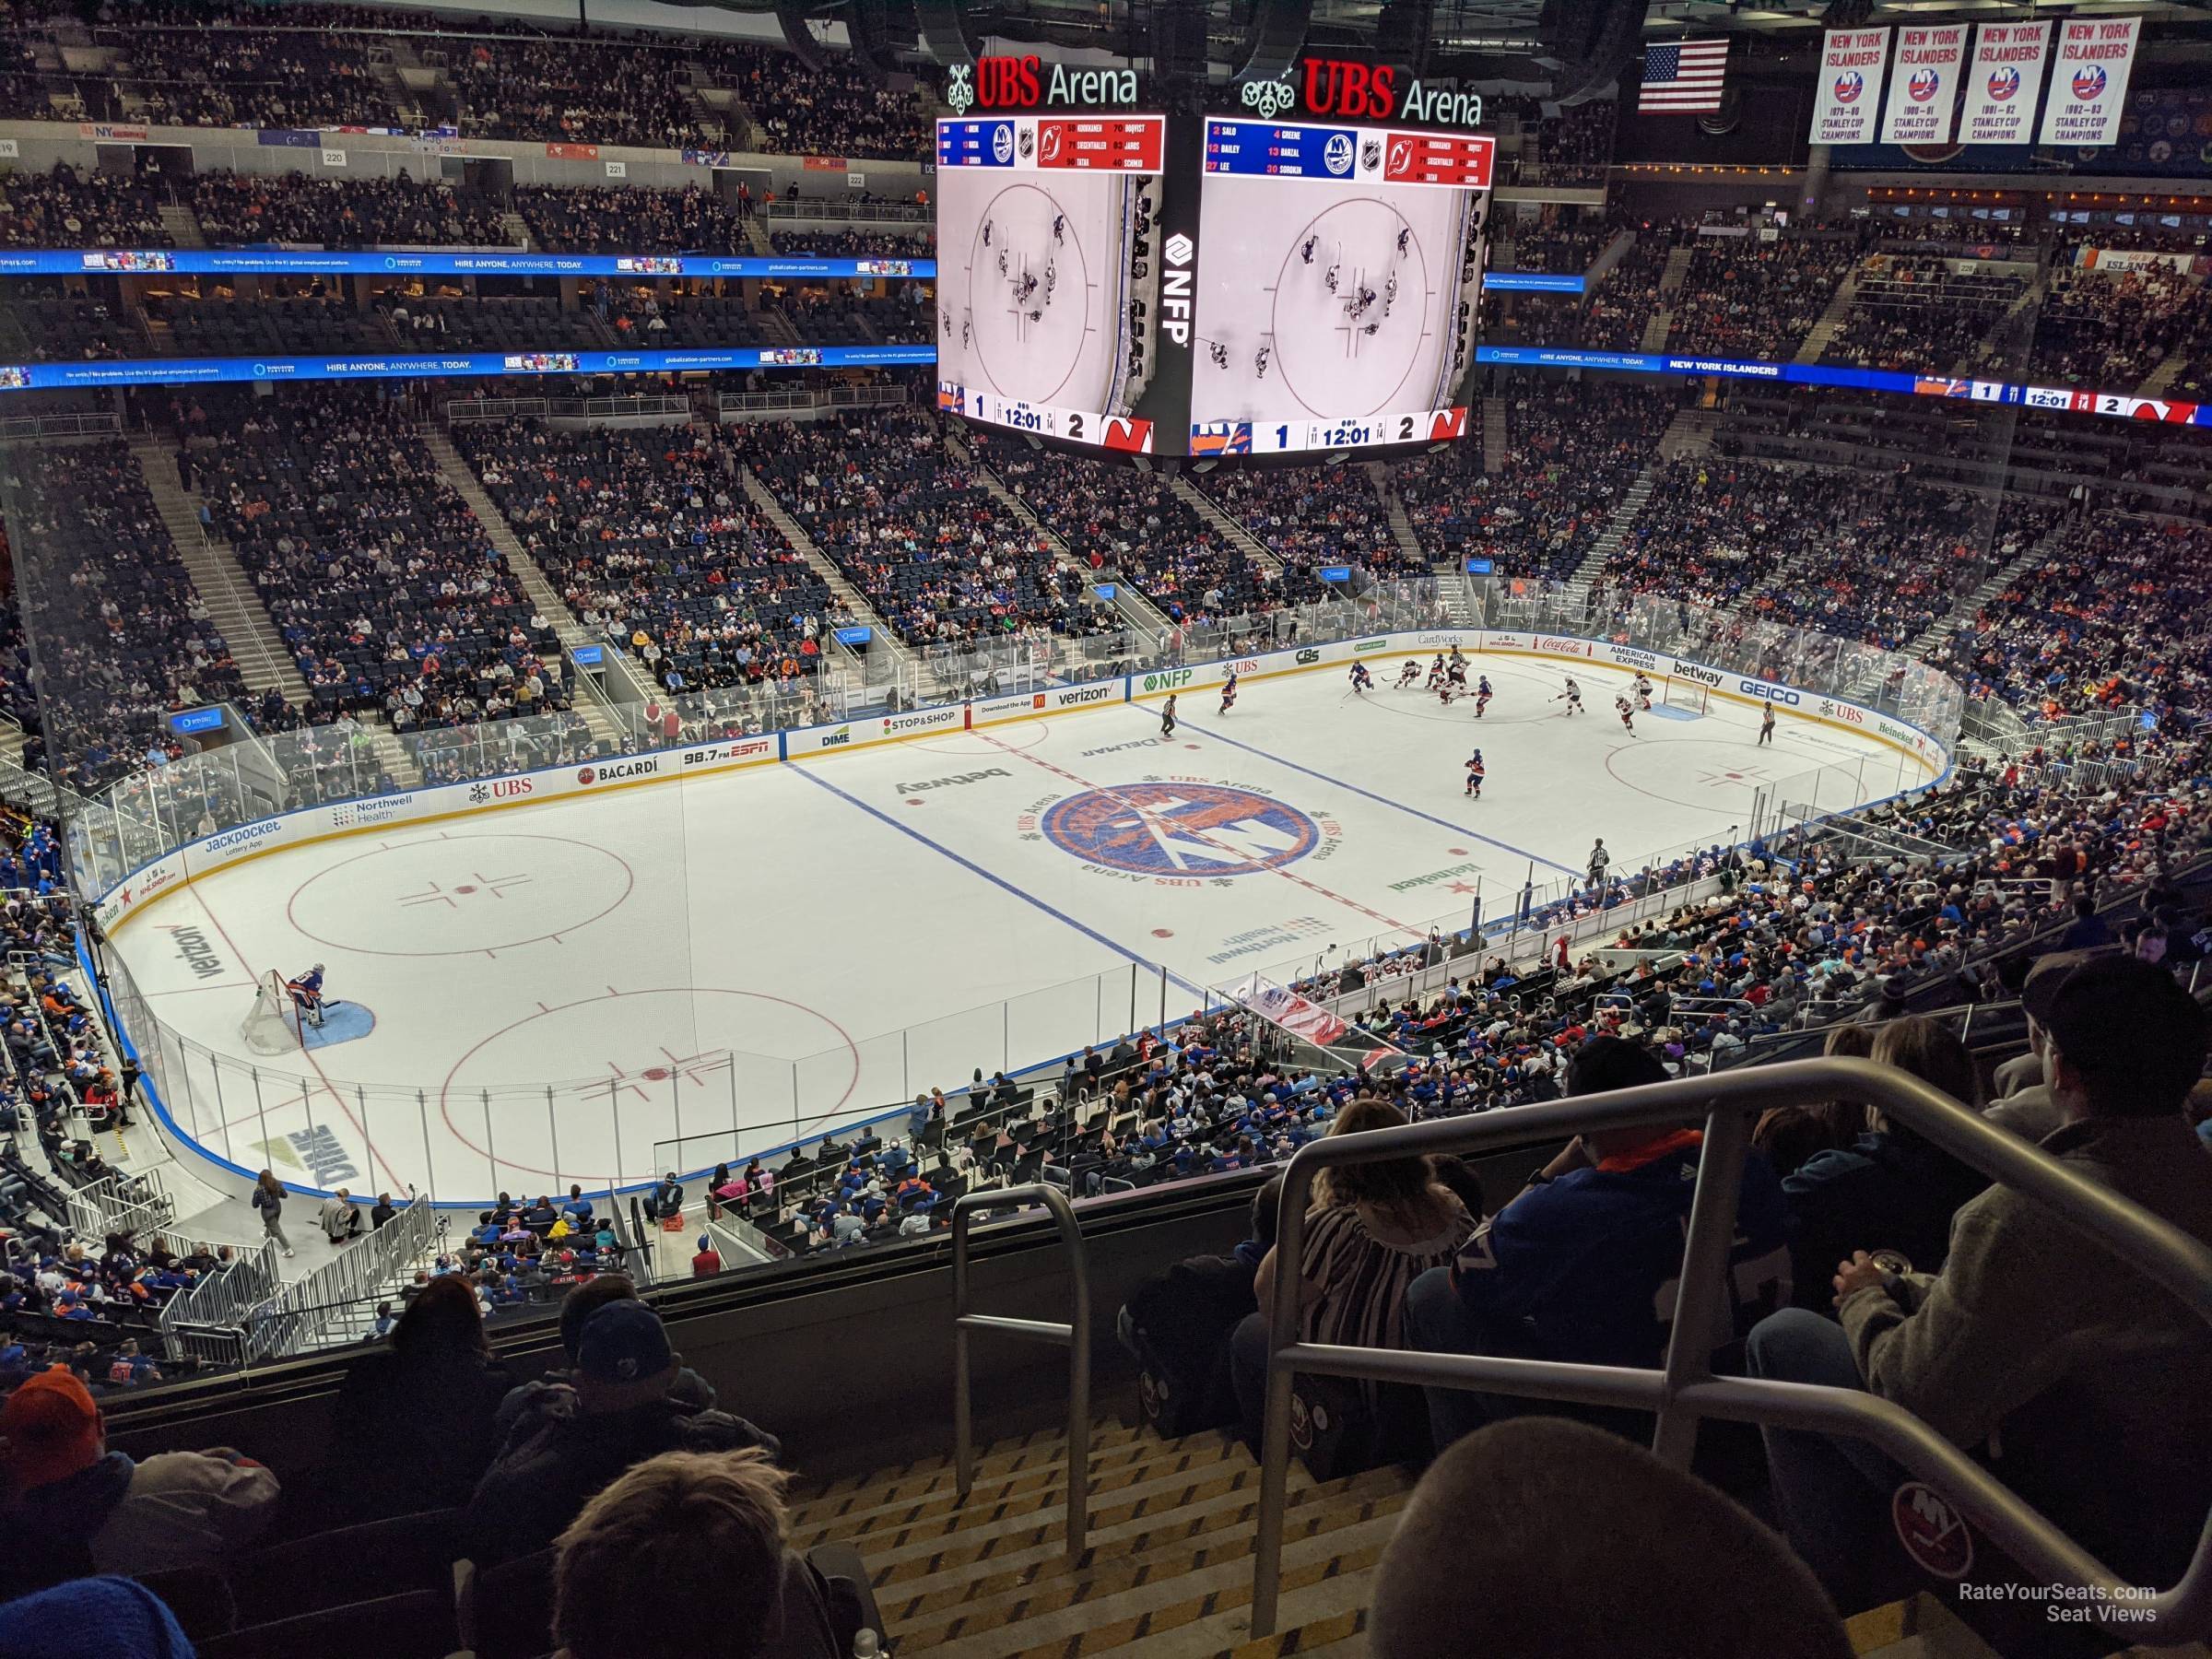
x=74, y=1507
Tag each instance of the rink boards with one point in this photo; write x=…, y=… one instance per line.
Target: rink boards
x=175, y=871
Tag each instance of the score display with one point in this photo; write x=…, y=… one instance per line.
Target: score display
x=1036, y=277
x=1206, y=286
x=1339, y=271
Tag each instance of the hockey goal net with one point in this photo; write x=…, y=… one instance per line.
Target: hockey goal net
x=272, y=1026
x=1685, y=694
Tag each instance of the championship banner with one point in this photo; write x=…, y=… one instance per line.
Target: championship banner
x=1850, y=85
x=2003, y=83
x=1923, y=84
x=2089, y=83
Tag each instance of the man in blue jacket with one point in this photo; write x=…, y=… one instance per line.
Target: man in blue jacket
x=1581, y=1264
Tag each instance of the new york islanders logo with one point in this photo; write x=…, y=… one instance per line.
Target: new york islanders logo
x=1177, y=828
x=1923, y=86
x=2089, y=82
x=2003, y=82
x=1849, y=85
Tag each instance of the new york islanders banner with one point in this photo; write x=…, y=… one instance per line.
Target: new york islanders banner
x=1850, y=85
x=2003, y=82
x=1923, y=84
x=2088, y=80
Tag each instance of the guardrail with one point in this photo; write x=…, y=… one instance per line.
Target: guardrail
x=1685, y=1391
x=132, y=1202
x=220, y=1302
x=1073, y=1335
x=293, y=1319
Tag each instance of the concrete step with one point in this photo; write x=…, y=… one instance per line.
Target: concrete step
x=1150, y=613
x=182, y=227
x=217, y=576
x=1495, y=435
x=2045, y=550
x=840, y=586
x=1213, y=513
x=1831, y=320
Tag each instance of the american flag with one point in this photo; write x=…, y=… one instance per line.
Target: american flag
x=1683, y=78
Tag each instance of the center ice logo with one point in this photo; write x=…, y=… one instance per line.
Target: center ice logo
x=1180, y=830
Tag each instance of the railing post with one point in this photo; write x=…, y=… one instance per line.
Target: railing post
x=1704, y=1274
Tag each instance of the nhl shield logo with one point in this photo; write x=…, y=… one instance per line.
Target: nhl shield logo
x=1370, y=155
x=1029, y=142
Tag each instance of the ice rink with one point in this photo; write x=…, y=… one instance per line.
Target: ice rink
x=556, y=991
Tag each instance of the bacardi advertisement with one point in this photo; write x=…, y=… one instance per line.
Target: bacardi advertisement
x=1923, y=84
x=1850, y=85
x=2088, y=80
x=2004, y=80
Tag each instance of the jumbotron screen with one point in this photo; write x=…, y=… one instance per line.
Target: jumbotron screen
x=1040, y=283
x=1338, y=279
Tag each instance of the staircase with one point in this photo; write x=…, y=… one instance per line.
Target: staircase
x=1166, y=1571
x=1151, y=615
x=542, y=593
x=1838, y=307
x=182, y=227
x=2160, y=379
x=1494, y=438
x=1206, y=508
x=1689, y=433
x=1401, y=526
x=1616, y=532
x=756, y=237
x=1951, y=622
x=518, y=231
x=1661, y=322
x=842, y=591
x=1989, y=350
x=232, y=603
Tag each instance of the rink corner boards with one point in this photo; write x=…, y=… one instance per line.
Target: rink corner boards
x=176, y=870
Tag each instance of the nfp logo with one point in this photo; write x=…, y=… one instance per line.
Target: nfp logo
x=2003, y=82
x=1924, y=85
x=2089, y=82
x=1195, y=829
x=1849, y=85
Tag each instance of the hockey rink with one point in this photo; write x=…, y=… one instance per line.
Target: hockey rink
x=1354, y=312
x=556, y=992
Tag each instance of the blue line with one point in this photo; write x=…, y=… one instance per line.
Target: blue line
x=998, y=881
x=1382, y=800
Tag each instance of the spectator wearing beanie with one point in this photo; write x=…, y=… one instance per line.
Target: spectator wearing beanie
x=2084, y=1378
x=620, y=1411
x=75, y=1507
x=92, y=1618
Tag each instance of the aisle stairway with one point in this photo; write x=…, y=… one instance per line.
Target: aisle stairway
x=1494, y=435
x=1401, y=522
x=1616, y=531
x=1831, y=320
x=2039, y=553
x=1166, y=1571
x=182, y=227
x=1662, y=321
x=840, y=588
x=1206, y=508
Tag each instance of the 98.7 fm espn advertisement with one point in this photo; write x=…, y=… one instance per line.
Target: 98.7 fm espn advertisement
x=1205, y=286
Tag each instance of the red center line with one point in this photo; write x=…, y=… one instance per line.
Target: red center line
x=1284, y=871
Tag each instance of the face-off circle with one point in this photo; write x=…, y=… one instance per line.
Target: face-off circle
x=1350, y=308
x=459, y=895
x=1028, y=294
x=1180, y=830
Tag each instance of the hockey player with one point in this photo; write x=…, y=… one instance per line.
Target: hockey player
x=1229, y=693
x=1446, y=691
x=1362, y=681
x=1571, y=697
x=306, y=993
x=1436, y=672
x=1482, y=695
x=1410, y=675
x=1167, y=716
x=1627, y=710
x=1643, y=692
x=1456, y=671
x=1475, y=773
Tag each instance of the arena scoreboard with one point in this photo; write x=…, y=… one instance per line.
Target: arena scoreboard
x=1211, y=285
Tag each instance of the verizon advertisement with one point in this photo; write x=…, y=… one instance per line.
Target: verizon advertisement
x=2004, y=82
x=1850, y=85
x=2088, y=81
x=1924, y=86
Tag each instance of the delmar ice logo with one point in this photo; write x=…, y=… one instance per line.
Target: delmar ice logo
x=960, y=88
x=1180, y=828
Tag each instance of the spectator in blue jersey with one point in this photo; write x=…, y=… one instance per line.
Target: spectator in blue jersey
x=1574, y=1267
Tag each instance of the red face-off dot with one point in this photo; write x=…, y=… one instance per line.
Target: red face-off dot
x=1164, y=933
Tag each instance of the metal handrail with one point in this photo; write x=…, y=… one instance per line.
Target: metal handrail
x=1686, y=1391
x=1074, y=1336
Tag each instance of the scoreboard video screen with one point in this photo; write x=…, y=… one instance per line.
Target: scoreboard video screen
x=1339, y=281
x=1038, y=218
x=1208, y=287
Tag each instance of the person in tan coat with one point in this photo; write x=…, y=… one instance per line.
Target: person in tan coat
x=2078, y=1380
